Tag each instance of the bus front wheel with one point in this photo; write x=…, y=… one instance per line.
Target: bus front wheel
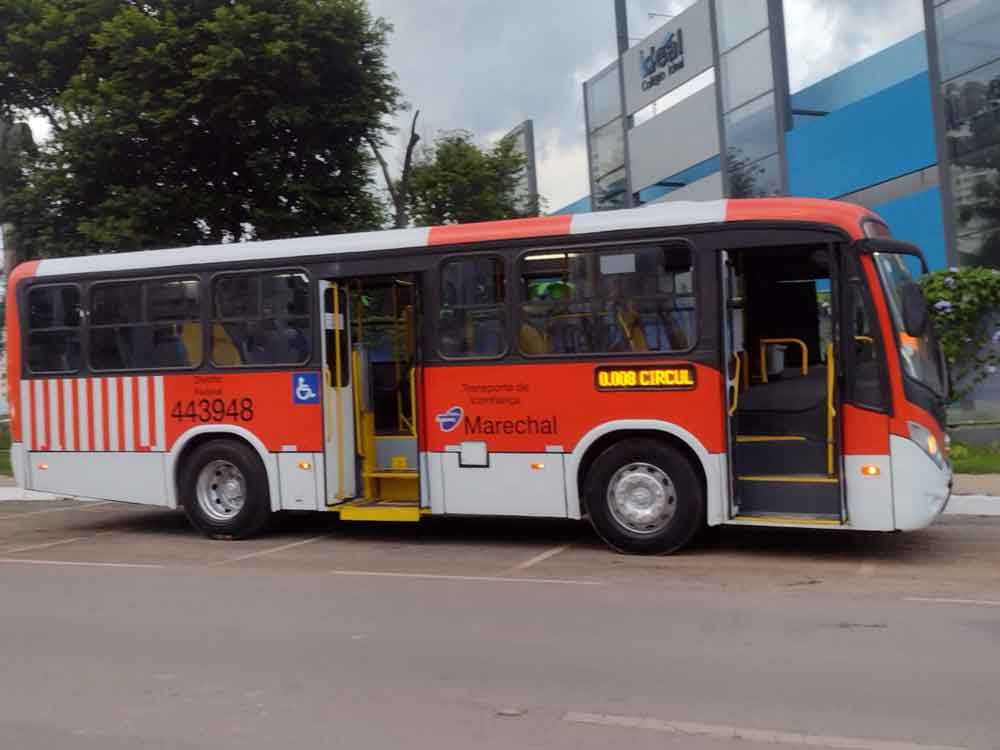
x=644, y=497
x=224, y=490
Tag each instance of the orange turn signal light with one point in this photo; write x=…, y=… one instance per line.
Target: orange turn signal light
x=538, y=466
x=305, y=465
x=870, y=470
x=43, y=467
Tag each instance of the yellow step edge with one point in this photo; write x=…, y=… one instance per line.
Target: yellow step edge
x=378, y=513
x=791, y=478
x=770, y=439
x=790, y=520
x=390, y=475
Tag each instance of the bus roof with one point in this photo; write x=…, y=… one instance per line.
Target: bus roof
x=844, y=216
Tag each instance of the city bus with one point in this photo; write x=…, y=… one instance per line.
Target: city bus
x=757, y=362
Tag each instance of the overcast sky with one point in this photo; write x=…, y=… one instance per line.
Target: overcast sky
x=485, y=65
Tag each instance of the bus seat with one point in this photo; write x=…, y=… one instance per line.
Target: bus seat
x=191, y=339
x=224, y=351
x=533, y=341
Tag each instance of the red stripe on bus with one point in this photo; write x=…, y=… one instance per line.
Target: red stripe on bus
x=74, y=422
x=105, y=415
x=136, y=397
x=46, y=411
x=122, y=416
x=509, y=229
x=151, y=411
x=88, y=395
x=61, y=414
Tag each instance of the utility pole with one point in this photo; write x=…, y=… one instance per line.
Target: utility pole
x=621, y=25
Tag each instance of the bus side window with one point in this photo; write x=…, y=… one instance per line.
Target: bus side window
x=145, y=325
x=261, y=319
x=628, y=299
x=53, y=340
x=471, y=313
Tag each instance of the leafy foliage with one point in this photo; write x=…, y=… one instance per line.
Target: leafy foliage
x=455, y=181
x=964, y=303
x=178, y=122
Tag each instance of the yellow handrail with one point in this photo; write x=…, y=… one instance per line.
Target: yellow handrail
x=763, y=355
x=736, y=384
x=830, y=410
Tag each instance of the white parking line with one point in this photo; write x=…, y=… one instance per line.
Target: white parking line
x=76, y=563
x=80, y=506
x=532, y=561
x=766, y=736
x=270, y=550
x=443, y=577
x=46, y=545
x=933, y=600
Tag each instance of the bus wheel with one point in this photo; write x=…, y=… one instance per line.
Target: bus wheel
x=644, y=497
x=224, y=489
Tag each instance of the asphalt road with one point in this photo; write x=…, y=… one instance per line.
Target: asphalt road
x=120, y=628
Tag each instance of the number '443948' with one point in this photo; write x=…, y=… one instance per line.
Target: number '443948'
x=213, y=410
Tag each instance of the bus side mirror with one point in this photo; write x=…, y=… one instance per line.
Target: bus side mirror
x=915, y=316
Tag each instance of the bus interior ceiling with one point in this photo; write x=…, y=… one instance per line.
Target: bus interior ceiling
x=782, y=425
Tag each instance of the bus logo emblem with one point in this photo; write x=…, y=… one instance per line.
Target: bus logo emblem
x=449, y=420
x=305, y=388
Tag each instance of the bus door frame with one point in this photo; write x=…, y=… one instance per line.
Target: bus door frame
x=339, y=445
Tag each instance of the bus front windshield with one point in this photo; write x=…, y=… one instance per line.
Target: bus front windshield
x=921, y=356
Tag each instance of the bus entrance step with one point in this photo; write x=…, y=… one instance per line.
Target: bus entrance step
x=379, y=510
x=815, y=494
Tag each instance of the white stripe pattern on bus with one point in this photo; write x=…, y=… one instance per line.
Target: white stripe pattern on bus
x=123, y=413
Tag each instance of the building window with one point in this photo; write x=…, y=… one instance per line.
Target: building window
x=53, y=329
x=472, y=316
x=637, y=299
x=148, y=325
x=261, y=319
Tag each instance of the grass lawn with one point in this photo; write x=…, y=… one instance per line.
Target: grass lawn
x=975, y=459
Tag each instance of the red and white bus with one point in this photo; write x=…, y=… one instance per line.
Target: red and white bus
x=762, y=362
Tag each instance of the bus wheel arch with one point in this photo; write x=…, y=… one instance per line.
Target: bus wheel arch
x=222, y=486
x=187, y=443
x=667, y=467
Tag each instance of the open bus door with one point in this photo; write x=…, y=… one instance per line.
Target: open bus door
x=783, y=402
x=370, y=397
x=340, y=447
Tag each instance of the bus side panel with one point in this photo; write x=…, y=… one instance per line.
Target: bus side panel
x=107, y=437
x=866, y=443
x=508, y=425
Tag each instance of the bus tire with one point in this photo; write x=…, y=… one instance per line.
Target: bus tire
x=224, y=490
x=644, y=497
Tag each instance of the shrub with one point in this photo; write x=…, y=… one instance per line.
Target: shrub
x=964, y=304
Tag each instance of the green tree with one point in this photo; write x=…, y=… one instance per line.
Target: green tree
x=178, y=122
x=455, y=181
x=17, y=146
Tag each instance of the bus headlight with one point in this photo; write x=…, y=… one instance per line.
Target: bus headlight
x=926, y=440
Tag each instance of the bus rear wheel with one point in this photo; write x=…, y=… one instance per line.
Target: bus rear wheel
x=644, y=497
x=224, y=489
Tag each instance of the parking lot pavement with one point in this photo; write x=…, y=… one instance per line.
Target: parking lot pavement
x=959, y=553
x=122, y=628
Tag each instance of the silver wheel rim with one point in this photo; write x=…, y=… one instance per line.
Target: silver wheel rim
x=642, y=498
x=221, y=490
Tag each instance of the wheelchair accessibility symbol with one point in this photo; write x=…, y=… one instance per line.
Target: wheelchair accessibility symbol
x=305, y=387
